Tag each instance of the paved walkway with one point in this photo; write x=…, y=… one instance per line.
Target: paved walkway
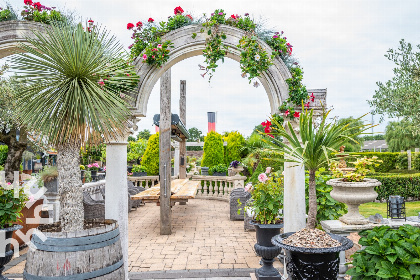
x=204, y=244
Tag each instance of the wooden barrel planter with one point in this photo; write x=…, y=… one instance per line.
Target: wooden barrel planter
x=93, y=253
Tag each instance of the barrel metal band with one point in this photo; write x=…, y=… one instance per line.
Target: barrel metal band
x=82, y=276
x=76, y=241
x=98, y=245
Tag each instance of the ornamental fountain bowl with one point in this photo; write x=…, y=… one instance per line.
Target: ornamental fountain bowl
x=353, y=194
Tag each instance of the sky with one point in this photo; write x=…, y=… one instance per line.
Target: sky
x=339, y=44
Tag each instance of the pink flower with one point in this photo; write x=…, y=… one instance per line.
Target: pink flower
x=287, y=113
x=312, y=97
x=153, y=56
x=275, y=36
x=268, y=170
x=89, y=165
x=105, y=168
x=31, y=198
x=220, y=14
x=122, y=95
x=159, y=46
x=144, y=56
x=101, y=83
x=307, y=104
x=248, y=187
x=296, y=115
x=262, y=177
x=9, y=183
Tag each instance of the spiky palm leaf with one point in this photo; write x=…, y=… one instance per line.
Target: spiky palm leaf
x=312, y=146
x=63, y=99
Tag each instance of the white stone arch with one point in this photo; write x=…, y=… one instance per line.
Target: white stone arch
x=14, y=32
x=273, y=80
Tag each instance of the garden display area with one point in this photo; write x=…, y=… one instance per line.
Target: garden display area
x=85, y=195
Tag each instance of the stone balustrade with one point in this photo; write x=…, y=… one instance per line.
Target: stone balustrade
x=218, y=187
x=94, y=189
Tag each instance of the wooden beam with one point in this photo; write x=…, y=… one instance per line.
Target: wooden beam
x=165, y=154
x=183, y=117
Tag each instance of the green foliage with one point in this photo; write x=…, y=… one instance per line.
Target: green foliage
x=254, y=58
x=235, y=142
x=244, y=23
x=399, y=97
x=402, y=135
x=213, y=150
x=215, y=50
x=1, y=167
x=196, y=135
x=328, y=208
x=156, y=53
x=220, y=168
x=138, y=168
x=90, y=153
x=5, y=14
x=150, y=159
x=177, y=21
x=355, y=126
x=406, y=185
x=10, y=207
x=66, y=67
x=32, y=13
x=136, y=150
x=267, y=200
x=363, y=166
x=388, y=160
x=48, y=173
x=402, y=161
x=297, y=91
x=373, y=137
x=388, y=254
x=3, y=154
x=144, y=134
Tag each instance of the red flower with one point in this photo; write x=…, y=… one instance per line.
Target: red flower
x=289, y=51
x=267, y=129
x=150, y=20
x=296, y=114
x=307, y=104
x=139, y=24
x=37, y=5
x=233, y=16
x=90, y=21
x=312, y=97
x=287, y=112
x=178, y=10
x=27, y=2
x=130, y=25
x=266, y=124
x=189, y=16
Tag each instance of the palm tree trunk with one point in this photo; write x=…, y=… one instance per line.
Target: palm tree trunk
x=312, y=201
x=15, y=152
x=70, y=187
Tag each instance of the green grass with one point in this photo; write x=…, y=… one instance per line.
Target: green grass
x=371, y=208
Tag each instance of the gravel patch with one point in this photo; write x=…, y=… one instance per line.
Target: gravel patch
x=311, y=238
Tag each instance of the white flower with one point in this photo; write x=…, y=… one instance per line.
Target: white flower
x=257, y=57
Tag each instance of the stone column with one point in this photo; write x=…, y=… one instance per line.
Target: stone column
x=176, y=159
x=182, y=144
x=116, y=191
x=409, y=159
x=416, y=150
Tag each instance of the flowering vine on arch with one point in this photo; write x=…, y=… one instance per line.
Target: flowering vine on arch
x=254, y=58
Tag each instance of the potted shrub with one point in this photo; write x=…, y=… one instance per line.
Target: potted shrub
x=139, y=170
x=49, y=176
x=86, y=86
x=264, y=207
x=353, y=188
x=93, y=168
x=10, y=213
x=218, y=170
x=310, y=252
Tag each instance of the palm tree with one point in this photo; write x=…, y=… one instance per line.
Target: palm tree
x=75, y=78
x=313, y=148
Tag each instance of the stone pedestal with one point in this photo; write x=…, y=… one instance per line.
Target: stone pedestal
x=116, y=192
x=340, y=228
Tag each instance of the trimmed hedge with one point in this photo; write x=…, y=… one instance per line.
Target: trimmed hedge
x=3, y=154
x=150, y=159
x=406, y=185
x=213, y=150
x=235, y=141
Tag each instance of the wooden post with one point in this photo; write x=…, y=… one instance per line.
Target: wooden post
x=182, y=144
x=165, y=153
x=409, y=159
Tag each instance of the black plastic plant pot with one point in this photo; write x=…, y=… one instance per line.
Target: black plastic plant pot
x=6, y=252
x=94, y=175
x=52, y=186
x=204, y=170
x=129, y=168
x=266, y=250
x=219, y=174
x=139, y=174
x=312, y=263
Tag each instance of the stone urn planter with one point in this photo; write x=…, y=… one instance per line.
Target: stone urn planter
x=92, y=253
x=267, y=250
x=353, y=194
x=6, y=253
x=237, y=170
x=312, y=263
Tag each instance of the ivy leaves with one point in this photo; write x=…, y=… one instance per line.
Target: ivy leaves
x=215, y=50
x=254, y=58
x=389, y=254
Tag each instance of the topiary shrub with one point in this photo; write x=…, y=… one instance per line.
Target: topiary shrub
x=402, y=161
x=135, y=150
x=150, y=159
x=235, y=143
x=387, y=254
x=213, y=150
x=415, y=161
x=3, y=154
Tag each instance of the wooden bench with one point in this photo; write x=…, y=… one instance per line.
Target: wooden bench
x=181, y=191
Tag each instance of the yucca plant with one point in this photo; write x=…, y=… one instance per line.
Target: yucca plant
x=75, y=78
x=312, y=147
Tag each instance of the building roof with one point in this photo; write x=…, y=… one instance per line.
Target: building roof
x=374, y=145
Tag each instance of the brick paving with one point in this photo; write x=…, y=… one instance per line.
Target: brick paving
x=202, y=237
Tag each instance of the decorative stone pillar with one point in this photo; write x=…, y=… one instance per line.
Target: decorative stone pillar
x=176, y=158
x=409, y=159
x=116, y=191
